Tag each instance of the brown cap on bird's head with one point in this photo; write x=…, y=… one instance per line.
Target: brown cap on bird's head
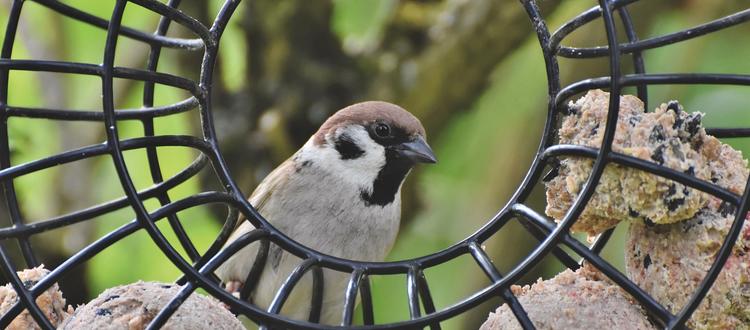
x=369, y=112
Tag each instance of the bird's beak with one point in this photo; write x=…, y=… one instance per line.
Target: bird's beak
x=417, y=151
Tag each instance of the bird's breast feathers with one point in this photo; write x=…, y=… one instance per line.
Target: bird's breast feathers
x=319, y=203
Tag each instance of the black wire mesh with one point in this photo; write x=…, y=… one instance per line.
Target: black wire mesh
x=198, y=269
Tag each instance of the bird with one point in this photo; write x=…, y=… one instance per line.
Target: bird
x=339, y=194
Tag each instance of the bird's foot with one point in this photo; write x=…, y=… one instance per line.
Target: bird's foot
x=234, y=287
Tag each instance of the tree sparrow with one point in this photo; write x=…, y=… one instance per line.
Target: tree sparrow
x=340, y=194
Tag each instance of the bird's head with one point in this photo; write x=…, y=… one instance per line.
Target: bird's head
x=373, y=144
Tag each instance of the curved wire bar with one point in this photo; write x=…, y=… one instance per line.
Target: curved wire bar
x=588, y=188
x=171, y=307
x=148, y=130
x=113, y=140
x=579, y=21
x=9, y=191
x=426, y=297
x=368, y=315
x=737, y=132
x=121, y=114
x=655, y=42
x=562, y=256
x=451, y=252
x=489, y=269
x=721, y=258
x=600, y=241
x=104, y=208
x=103, y=149
x=167, y=311
x=251, y=281
x=412, y=292
x=648, y=166
x=286, y=288
x=316, y=299
x=22, y=293
x=639, y=64
x=653, y=79
x=98, y=70
x=178, y=17
x=641, y=80
x=108, y=240
x=651, y=305
x=386, y=267
x=151, y=39
x=79, y=257
x=218, y=243
x=350, y=299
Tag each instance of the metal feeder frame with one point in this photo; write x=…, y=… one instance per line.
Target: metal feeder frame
x=198, y=269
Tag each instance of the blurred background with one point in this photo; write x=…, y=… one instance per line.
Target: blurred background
x=471, y=70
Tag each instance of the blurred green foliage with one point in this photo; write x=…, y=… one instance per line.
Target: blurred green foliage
x=484, y=152
x=360, y=23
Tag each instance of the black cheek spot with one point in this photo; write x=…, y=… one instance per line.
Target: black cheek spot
x=388, y=181
x=347, y=148
x=103, y=312
x=647, y=261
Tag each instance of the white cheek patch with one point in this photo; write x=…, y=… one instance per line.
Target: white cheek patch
x=362, y=170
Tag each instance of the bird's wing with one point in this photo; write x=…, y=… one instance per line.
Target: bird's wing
x=270, y=184
x=238, y=266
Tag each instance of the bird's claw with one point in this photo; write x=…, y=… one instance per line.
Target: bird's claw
x=234, y=287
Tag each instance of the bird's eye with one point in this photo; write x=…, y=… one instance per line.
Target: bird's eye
x=382, y=130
